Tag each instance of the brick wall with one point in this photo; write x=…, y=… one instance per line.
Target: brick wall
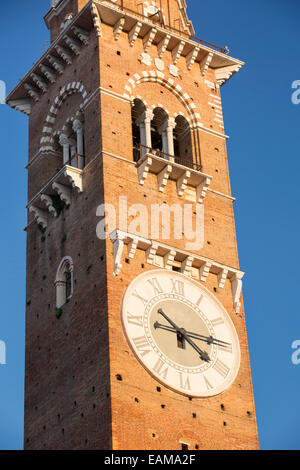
x=73, y=397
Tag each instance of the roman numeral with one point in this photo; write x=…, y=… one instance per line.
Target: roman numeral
x=184, y=382
x=221, y=368
x=134, y=320
x=217, y=321
x=199, y=300
x=142, y=345
x=207, y=383
x=135, y=294
x=156, y=286
x=160, y=369
x=226, y=347
x=177, y=287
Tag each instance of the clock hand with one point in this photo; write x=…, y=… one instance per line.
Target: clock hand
x=206, y=339
x=203, y=354
x=160, y=311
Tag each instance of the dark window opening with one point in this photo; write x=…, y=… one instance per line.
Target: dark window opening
x=183, y=148
x=136, y=141
x=184, y=447
x=137, y=111
x=68, y=284
x=156, y=140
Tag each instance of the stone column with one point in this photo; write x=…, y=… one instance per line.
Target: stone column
x=78, y=128
x=170, y=137
x=166, y=131
x=64, y=142
x=144, y=122
x=73, y=153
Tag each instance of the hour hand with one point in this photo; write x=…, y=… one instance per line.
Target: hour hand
x=161, y=312
x=203, y=354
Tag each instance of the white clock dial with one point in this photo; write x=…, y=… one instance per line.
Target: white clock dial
x=181, y=333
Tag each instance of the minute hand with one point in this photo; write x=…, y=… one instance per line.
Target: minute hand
x=203, y=354
x=161, y=312
x=206, y=339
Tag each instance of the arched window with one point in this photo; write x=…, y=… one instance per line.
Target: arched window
x=64, y=281
x=183, y=149
x=158, y=137
x=151, y=132
x=138, y=127
x=71, y=140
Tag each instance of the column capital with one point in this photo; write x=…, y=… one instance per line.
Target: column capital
x=146, y=115
x=168, y=125
x=77, y=125
x=63, y=140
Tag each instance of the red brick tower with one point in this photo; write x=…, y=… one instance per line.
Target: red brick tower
x=136, y=340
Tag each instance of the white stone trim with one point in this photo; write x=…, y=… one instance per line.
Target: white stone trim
x=59, y=282
x=162, y=45
x=64, y=53
x=159, y=77
x=149, y=38
x=162, y=177
x=73, y=44
x=218, y=193
x=40, y=82
x=134, y=32
x=96, y=19
x=32, y=91
x=82, y=34
x=191, y=57
x=23, y=105
x=176, y=52
x=189, y=261
x=118, y=28
x=225, y=73
x=63, y=191
x=204, y=64
x=57, y=63
x=49, y=204
x=236, y=286
x=67, y=90
x=40, y=215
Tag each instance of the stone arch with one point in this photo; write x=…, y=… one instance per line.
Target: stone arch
x=160, y=116
x=64, y=281
x=159, y=77
x=138, y=109
x=183, y=140
x=67, y=90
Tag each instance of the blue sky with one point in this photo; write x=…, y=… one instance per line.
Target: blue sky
x=263, y=152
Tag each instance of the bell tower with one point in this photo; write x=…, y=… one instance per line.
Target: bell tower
x=135, y=325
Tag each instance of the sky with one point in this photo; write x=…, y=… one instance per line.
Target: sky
x=263, y=152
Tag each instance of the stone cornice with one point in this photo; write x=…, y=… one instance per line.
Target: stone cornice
x=167, y=255
x=31, y=87
x=36, y=82
x=217, y=59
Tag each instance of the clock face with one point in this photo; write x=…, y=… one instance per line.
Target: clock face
x=181, y=333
